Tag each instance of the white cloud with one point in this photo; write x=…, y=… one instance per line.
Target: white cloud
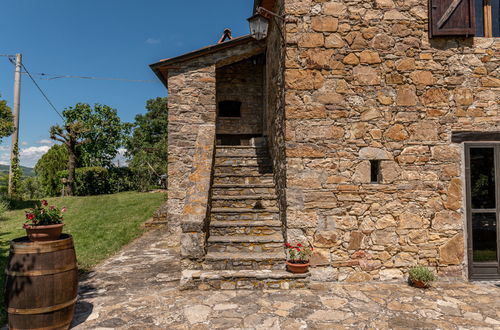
x=5, y=158
x=24, y=143
x=45, y=141
x=29, y=156
x=120, y=159
x=153, y=41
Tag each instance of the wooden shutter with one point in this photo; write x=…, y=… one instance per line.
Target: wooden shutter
x=452, y=18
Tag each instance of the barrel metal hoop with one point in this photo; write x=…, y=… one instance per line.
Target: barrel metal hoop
x=27, y=311
x=41, y=272
x=56, y=326
x=23, y=246
x=26, y=249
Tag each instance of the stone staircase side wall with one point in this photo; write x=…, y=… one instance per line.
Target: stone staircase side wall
x=274, y=115
x=191, y=121
x=195, y=221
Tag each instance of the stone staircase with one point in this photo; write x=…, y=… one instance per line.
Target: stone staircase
x=245, y=248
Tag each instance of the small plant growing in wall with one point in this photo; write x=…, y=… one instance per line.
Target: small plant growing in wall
x=421, y=277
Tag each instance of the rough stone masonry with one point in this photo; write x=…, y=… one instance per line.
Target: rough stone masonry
x=363, y=81
x=349, y=84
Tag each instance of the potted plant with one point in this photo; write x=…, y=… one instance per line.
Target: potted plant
x=44, y=222
x=421, y=277
x=298, y=258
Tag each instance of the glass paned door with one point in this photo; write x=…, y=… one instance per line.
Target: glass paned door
x=483, y=196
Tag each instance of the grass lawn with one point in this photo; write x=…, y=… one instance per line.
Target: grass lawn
x=100, y=225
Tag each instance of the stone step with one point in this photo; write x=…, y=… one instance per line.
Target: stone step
x=242, y=279
x=241, y=151
x=236, y=228
x=243, y=161
x=227, y=210
x=242, y=170
x=243, y=179
x=239, y=215
x=243, y=189
x=256, y=201
x=246, y=243
x=244, y=261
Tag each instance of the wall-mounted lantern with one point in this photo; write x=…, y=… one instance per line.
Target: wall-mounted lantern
x=259, y=23
x=258, y=26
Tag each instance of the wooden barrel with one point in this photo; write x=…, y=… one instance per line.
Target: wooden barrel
x=41, y=284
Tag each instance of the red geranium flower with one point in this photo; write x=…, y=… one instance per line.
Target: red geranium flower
x=30, y=216
x=298, y=249
x=299, y=245
x=288, y=245
x=44, y=202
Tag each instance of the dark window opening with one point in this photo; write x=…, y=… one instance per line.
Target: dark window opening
x=375, y=171
x=487, y=18
x=229, y=109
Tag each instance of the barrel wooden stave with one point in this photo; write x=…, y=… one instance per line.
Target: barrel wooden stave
x=41, y=284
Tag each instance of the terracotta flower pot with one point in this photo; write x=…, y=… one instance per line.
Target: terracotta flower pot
x=44, y=233
x=297, y=268
x=418, y=284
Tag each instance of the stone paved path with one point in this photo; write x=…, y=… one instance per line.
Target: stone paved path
x=137, y=289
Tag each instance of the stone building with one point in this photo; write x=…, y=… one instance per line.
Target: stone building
x=367, y=129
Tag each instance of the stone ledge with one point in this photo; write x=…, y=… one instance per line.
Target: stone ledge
x=235, y=223
x=238, y=256
x=243, y=197
x=247, y=239
x=244, y=210
x=242, y=279
x=193, y=223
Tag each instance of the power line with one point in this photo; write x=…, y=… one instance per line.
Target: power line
x=57, y=76
x=41, y=91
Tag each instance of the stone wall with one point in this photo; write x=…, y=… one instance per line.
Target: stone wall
x=274, y=122
x=191, y=104
x=196, y=212
x=363, y=81
x=243, y=82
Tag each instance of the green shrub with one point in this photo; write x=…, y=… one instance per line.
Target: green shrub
x=31, y=188
x=99, y=180
x=4, y=207
x=421, y=273
x=121, y=179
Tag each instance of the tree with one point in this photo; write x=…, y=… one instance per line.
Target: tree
x=105, y=130
x=17, y=173
x=147, y=147
x=84, y=124
x=72, y=136
x=6, y=120
x=48, y=166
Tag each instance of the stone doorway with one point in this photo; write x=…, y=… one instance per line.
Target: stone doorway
x=483, y=210
x=240, y=101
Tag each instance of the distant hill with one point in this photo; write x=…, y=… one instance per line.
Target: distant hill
x=27, y=171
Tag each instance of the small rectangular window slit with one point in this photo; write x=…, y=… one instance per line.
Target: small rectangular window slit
x=375, y=171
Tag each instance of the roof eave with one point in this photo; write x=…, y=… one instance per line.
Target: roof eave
x=197, y=53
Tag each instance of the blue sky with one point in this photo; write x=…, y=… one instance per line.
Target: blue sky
x=101, y=38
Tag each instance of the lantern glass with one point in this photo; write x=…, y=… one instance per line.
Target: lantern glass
x=258, y=26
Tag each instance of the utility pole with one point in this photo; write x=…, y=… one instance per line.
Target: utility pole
x=17, y=102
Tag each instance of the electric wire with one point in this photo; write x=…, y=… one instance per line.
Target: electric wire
x=57, y=76
x=41, y=91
